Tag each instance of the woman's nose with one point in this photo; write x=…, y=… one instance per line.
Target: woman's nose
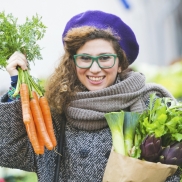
x=95, y=67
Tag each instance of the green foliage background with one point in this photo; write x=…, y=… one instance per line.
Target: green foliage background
x=168, y=76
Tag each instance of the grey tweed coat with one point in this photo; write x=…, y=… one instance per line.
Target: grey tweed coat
x=85, y=153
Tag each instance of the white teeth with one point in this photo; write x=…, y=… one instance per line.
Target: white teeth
x=95, y=78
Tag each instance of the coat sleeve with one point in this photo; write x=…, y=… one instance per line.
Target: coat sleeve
x=15, y=148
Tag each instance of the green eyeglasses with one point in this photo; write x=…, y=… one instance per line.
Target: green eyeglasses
x=104, y=61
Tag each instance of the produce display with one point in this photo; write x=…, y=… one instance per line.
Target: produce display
x=153, y=136
x=169, y=76
x=35, y=108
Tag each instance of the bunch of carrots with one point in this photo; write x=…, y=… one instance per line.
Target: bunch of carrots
x=36, y=113
x=35, y=108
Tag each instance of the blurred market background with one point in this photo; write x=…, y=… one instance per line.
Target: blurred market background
x=156, y=23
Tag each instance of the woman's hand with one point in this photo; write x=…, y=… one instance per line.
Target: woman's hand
x=16, y=59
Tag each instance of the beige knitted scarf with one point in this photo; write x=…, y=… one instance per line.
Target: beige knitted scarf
x=87, y=109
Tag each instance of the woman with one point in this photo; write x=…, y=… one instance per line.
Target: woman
x=91, y=79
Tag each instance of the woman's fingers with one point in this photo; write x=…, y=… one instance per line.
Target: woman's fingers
x=16, y=59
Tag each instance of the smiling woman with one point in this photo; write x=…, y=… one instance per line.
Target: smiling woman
x=91, y=79
x=89, y=41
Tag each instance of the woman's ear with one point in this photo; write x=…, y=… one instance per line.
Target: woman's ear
x=119, y=69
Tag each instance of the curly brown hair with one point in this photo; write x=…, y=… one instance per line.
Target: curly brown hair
x=64, y=83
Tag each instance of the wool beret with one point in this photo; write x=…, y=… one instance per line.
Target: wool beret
x=103, y=20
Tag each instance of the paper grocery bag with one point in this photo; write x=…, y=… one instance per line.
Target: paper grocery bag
x=127, y=169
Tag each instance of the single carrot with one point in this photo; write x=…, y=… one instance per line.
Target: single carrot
x=41, y=143
x=47, y=118
x=25, y=103
x=39, y=122
x=32, y=134
x=35, y=96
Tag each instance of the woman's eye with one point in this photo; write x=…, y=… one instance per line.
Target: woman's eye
x=86, y=58
x=104, y=58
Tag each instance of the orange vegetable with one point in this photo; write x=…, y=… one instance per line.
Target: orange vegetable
x=39, y=122
x=47, y=118
x=41, y=143
x=35, y=96
x=25, y=103
x=31, y=131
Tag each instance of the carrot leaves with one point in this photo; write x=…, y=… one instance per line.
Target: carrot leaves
x=20, y=37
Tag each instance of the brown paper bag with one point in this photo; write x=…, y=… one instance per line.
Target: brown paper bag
x=127, y=169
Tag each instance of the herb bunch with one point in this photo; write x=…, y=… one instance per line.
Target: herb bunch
x=20, y=37
x=163, y=119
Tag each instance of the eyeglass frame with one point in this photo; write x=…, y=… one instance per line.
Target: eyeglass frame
x=95, y=58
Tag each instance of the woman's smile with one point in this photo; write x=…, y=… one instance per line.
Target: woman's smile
x=96, y=80
x=93, y=78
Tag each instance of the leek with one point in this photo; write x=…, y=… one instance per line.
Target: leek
x=115, y=121
x=130, y=123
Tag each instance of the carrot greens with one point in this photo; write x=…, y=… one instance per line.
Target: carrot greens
x=20, y=37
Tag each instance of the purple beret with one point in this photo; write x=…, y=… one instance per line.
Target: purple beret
x=102, y=20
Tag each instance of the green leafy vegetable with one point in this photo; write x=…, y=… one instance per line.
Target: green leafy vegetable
x=22, y=38
x=163, y=119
